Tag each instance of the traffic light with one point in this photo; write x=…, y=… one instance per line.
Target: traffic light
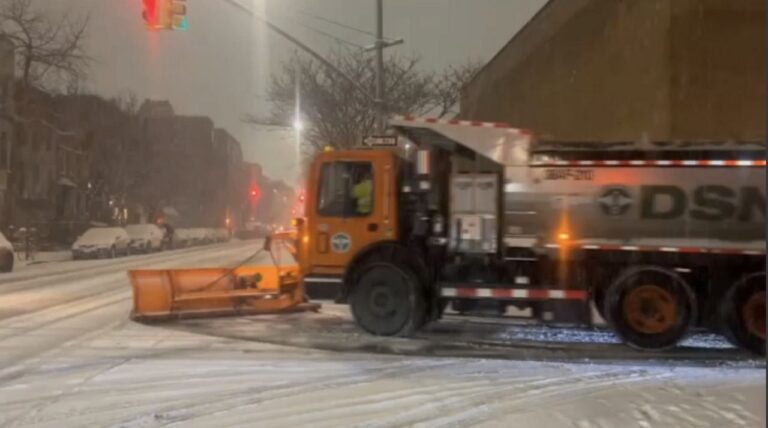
x=150, y=14
x=255, y=193
x=178, y=15
x=165, y=14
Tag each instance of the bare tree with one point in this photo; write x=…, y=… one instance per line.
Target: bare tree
x=50, y=57
x=449, y=84
x=337, y=114
x=50, y=51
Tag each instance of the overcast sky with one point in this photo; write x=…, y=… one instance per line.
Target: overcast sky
x=220, y=67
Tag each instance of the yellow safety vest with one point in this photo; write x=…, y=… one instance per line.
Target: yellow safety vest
x=363, y=193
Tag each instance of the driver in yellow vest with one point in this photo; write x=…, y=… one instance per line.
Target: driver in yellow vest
x=363, y=193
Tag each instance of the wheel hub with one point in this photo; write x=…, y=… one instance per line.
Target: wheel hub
x=381, y=301
x=753, y=313
x=650, y=309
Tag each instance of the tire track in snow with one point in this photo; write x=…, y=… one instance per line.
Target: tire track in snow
x=447, y=401
x=50, y=316
x=261, y=396
x=542, y=393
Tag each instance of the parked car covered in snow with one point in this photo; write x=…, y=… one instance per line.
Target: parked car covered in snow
x=253, y=230
x=199, y=236
x=6, y=255
x=101, y=242
x=145, y=238
x=211, y=236
x=222, y=235
x=182, y=238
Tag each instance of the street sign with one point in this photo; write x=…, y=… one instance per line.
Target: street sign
x=380, y=141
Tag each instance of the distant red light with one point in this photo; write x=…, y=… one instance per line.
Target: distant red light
x=150, y=13
x=255, y=193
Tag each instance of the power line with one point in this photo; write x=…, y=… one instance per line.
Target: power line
x=330, y=21
x=252, y=13
x=331, y=36
x=304, y=47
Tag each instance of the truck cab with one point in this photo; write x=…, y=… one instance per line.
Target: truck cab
x=352, y=206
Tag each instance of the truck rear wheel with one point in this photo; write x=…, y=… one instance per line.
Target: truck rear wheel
x=743, y=313
x=650, y=308
x=388, y=300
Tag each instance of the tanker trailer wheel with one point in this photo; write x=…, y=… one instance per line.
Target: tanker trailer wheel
x=388, y=300
x=650, y=308
x=743, y=313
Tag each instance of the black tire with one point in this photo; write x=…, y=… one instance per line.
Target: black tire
x=388, y=300
x=6, y=261
x=736, y=308
x=639, y=319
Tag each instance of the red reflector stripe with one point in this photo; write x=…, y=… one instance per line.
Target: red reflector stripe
x=677, y=162
x=538, y=294
x=500, y=292
x=575, y=295
x=466, y=292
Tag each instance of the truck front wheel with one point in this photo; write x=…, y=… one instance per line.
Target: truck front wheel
x=388, y=300
x=743, y=313
x=650, y=308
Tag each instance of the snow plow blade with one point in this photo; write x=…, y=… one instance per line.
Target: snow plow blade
x=163, y=294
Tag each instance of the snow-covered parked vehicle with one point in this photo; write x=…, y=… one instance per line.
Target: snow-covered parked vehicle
x=182, y=238
x=221, y=234
x=101, y=242
x=145, y=238
x=199, y=236
x=6, y=255
x=211, y=235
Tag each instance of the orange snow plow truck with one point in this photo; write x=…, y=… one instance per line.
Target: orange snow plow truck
x=658, y=238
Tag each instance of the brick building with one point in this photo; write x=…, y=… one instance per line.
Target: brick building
x=231, y=174
x=194, y=173
x=630, y=70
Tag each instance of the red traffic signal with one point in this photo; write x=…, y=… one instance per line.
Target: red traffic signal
x=255, y=192
x=150, y=14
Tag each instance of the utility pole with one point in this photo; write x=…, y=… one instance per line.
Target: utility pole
x=298, y=123
x=380, y=107
x=379, y=46
x=379, y=99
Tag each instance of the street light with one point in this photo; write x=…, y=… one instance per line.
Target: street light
x=298, y=125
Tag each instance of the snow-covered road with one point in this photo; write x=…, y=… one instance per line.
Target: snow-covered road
x=70, y=357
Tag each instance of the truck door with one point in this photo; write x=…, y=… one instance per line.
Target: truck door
x=352, y=207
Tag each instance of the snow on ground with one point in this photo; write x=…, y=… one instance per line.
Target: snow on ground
x=70, y=357
x=40, y=257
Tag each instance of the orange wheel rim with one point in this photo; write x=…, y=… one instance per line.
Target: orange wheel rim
x=650, y=309
x=754, y=314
